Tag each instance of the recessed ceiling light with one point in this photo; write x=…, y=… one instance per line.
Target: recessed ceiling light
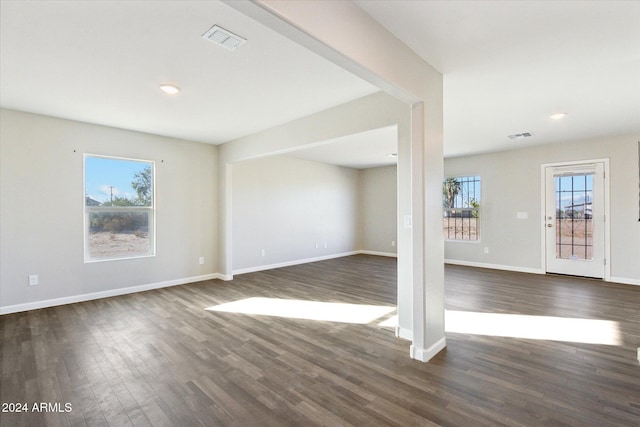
x=557, y=116
x=169, y=88
x=394, y=155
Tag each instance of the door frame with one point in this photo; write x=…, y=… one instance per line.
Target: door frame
x=607, y=212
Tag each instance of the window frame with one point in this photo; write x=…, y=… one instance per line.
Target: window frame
x=87, y=210
x=478, y=210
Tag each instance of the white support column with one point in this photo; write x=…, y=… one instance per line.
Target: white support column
x=417, y=219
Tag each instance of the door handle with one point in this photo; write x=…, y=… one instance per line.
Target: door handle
x=549, y=225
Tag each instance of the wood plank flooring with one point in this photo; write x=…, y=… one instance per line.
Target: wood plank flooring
x=160, y=358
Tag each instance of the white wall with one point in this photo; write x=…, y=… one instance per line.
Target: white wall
x=292, y=209
x=511, y=183
x=370, y=112
x=379, y=216
x=41, y=211
x=42, y=225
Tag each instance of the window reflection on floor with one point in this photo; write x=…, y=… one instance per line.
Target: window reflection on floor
x=587, y=331
x=311, y=310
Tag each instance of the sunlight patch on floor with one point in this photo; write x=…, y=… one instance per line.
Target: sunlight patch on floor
x=587, y=331
x=310, y=310
x=391, y=322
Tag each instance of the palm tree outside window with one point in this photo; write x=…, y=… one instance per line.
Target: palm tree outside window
x=461, y=208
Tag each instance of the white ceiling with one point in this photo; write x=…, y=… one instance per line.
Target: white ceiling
x=362, y=150
x=102, y=62
x=507, y=66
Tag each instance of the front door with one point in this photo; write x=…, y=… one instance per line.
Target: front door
x=574, y=219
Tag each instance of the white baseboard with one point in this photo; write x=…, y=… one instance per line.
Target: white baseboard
x=103, y=294
x=495, y=266
x=424, y=355
x=308, y=260
x=387, y=254
x=293, y=262
x=624, y=280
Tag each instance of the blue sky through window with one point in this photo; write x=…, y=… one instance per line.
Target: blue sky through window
x=105, y=176
x=469, y=191
x=574, y=190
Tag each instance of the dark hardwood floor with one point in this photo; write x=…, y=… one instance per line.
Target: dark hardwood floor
x=161, y=358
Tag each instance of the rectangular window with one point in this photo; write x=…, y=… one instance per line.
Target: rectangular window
x=461, y=208
x=119, y=208
x=574, y=215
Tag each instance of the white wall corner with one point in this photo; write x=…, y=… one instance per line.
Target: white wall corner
x=404, y=333
x=424, y=355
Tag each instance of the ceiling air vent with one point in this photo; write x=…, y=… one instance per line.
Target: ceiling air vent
x=224, y=38
x=518, y=136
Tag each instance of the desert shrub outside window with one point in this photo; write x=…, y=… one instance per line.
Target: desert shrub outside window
x=119, y=210
x=461, y=208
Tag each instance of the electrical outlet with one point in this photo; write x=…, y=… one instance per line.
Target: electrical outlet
x=263, y=252
x=201, y=260
x=34, y=280
x=393, y=243
x=486, y=249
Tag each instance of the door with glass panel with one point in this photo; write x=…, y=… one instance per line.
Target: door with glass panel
x=575, y=219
